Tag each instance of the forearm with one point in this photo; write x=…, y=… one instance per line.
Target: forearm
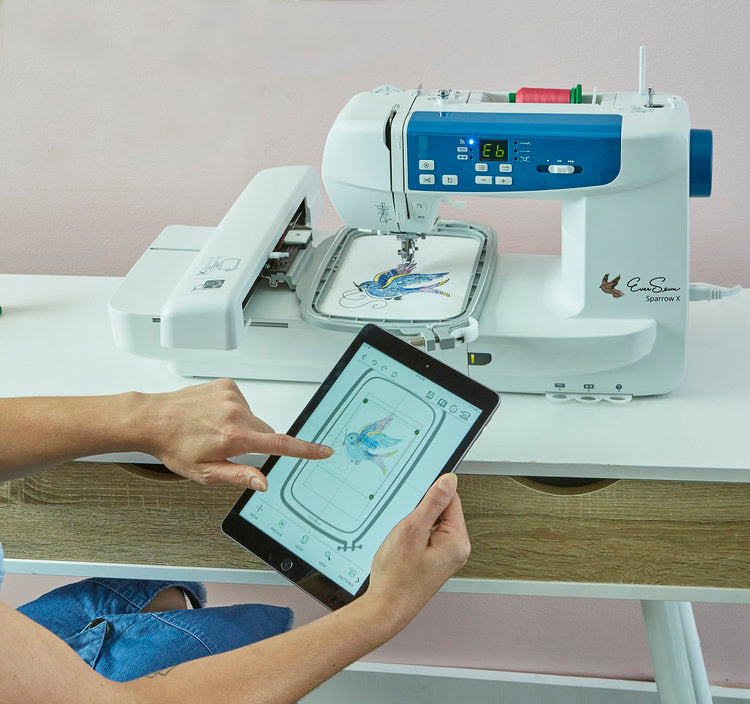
x=279, y=670
x=36, y=433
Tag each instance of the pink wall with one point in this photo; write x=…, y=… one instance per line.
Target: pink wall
x=121, y=118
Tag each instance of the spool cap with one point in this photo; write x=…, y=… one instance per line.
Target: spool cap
x=701, y=161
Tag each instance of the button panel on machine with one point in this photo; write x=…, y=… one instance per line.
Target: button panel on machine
x=497, y=152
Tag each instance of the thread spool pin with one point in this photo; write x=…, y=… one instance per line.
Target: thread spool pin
x=642, y=70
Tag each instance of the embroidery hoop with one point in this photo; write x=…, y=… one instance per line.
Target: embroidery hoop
x=434, y=330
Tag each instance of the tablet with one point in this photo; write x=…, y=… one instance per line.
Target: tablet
x=396, y=418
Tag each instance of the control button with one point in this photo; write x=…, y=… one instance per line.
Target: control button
x=506, y=168
x=426, y=179
x=426, y=165
x=503, y=181
x=462, y=149
x=450, y=180
x=561, y=168
x=286, y=564
x=462, y=156
x=483, y=179
x=480, y=167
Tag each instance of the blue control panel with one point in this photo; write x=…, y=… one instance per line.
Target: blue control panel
x=498, y=152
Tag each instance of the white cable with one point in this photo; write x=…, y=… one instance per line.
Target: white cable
x=709, y=292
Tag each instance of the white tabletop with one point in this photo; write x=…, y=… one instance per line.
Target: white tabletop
x=55, y=340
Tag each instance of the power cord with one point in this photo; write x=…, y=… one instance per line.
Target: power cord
x=709, y=292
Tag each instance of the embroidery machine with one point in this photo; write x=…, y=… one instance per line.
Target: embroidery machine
x=264, y=295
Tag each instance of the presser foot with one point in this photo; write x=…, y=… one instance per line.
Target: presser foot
x=408, y=247
x=562, y=397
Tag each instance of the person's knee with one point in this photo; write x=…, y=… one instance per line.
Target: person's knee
x=170, y=599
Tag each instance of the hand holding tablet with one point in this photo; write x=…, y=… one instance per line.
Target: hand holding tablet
x=422, y=552
x=396, y=419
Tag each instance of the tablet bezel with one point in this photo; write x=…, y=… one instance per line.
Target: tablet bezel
x=286, y=562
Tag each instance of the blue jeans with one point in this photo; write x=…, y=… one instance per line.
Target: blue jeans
x=102, y=620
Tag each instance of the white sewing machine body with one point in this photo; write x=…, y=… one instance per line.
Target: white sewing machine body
x=261, y=295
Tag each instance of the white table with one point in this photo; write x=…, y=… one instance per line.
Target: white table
x=55, y=340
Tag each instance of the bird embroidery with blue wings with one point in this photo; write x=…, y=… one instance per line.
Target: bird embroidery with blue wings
x=397, y=282
x=361, y=446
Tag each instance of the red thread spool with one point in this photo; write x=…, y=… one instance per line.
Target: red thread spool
x=543, y=95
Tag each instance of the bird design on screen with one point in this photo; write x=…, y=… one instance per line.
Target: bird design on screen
x=378, y=432
x=366, y=445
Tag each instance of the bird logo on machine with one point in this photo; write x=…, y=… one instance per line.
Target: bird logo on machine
x=610, y=287
x=363, y=446
x=401, y=280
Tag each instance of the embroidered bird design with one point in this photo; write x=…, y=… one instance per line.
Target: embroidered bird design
x=401, y=280
x=610, y=286
x=362, y=445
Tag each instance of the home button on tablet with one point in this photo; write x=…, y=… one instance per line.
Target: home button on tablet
x=286, y=565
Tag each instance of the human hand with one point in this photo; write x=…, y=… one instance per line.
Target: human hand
x=420, y=553
x=195, y=430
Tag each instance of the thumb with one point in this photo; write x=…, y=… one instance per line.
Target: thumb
x=227, y=472
x=436, y=500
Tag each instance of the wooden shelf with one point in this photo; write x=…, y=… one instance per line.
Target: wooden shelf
x=627, y=532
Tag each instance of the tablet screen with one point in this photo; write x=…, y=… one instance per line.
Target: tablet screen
x=392, y=431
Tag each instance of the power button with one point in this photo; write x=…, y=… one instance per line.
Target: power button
x=286, y=565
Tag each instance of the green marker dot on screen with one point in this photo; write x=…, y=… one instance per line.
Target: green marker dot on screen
x=372, y=496
x=416, y=432
x=364, y=400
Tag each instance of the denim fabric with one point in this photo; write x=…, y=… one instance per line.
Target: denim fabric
x=101, y=620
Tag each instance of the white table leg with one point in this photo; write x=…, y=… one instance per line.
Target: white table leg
x=694, y=653
x=674, y=681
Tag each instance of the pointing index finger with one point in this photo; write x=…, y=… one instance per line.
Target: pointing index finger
x=278, y=444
